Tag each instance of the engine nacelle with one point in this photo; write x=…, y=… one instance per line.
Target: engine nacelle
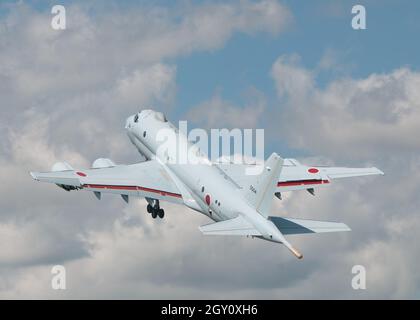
x=64, y=166
x=61, y=166
x=102, y=163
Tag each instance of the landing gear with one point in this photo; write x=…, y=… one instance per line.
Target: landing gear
x=154, y=209
x=154, y=214
x=158, y=212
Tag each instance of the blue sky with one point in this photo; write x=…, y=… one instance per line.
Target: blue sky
x=319, y=29
x=246, y=60
x=388, y=43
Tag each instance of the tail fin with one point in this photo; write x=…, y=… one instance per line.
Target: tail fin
x=260, y=191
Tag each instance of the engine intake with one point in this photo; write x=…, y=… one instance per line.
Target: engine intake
x=64, y=166
x=103, y=163
x=61, y=166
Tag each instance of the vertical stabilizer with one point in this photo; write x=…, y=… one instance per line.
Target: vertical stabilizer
x=260, y=191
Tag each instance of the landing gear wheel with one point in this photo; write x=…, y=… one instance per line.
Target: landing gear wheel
x=149, y=208
x=154, y=214
x=161, y=213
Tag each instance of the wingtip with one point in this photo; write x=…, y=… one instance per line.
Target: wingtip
x=346, y=228
x=379, y=171
x=33, y=175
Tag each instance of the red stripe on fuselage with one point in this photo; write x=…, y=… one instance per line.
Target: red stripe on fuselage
x=301, y=182
x=132, y=188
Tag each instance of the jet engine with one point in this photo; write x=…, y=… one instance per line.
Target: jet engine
x=63, y=166
x=102, y=163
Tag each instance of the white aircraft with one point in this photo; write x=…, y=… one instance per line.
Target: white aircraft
x=240, y=204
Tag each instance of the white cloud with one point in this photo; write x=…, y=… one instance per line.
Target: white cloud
x=155, y=83
x=292, y=81
x=369, y=121
x=31, y=143
x=350, y=118
x=37, y=243
x=95, y=49
x=219, y=113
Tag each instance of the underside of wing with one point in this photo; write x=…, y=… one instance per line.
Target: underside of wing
x=233, y=227
x=145, y=179
x=290, y=226
x=341, y=172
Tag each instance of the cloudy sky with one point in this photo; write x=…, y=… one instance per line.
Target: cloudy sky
x=325, y=93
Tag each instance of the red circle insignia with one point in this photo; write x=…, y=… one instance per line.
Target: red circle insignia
x=81, y=174
x=208, y=199
x=313, y=170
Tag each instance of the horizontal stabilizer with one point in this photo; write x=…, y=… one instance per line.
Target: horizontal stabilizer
x=301, y=226
x=233, y=227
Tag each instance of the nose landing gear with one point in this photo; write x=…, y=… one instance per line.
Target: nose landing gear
x=154, y=209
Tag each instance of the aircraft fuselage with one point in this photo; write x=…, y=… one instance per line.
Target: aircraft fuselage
x=211, y=191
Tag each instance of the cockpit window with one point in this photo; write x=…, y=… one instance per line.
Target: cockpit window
x=136, y=118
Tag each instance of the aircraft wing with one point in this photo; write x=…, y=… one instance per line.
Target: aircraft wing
x=342, y=172
x=295, y=176
x=145, y=179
